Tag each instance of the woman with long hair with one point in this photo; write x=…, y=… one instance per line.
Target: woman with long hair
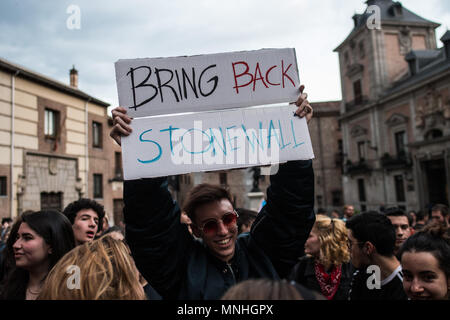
x=102, y=269
x=36, y=243
x=425, y=260
x=325, y=268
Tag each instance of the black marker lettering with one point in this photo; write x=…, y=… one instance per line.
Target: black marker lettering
x=215, y=79
x=142, y=84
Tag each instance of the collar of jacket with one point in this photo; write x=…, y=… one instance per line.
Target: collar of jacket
x=233, y=263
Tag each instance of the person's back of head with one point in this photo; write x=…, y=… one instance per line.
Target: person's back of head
x=376, y=228
x=245, y=219
x=421, y=216
x=333, y=238
x=106, y=272
x=115, y=232
x=71, y=210
x=265, y=289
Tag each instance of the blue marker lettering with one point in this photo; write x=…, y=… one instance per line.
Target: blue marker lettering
x=252, y=142
x=229, y=138
x=281, y=134
x=196, y=152
x=269, y=136
x=159, y=147
x=213, y=137
x=293, y=134
x=170, y=129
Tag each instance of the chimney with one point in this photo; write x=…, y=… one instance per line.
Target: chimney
x=446, y=41
x=356, y=17
x=413, y=62
x=74, y=77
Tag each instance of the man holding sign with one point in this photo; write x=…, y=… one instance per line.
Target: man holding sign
x=181, y=267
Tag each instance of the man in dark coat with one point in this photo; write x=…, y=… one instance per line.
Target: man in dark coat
x=181, y=267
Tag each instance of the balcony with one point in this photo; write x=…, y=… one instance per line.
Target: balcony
x=401, y=160
x=354, y=104
x=354, y=168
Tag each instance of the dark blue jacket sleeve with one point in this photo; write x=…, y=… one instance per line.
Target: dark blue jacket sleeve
x=284, y=223
x=158, y=241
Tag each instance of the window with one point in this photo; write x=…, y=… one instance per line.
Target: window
x=319, y=201
x=96, y=134
x=51, y=123
x=361, y=190
x=362, y=52
x=399, y=188
x=3, y=188
x=346, y=58
x=98, y=186
x=337, y=198
x=400, y=142
x=357, y=91
x=362, y=150
x=51, y=201
x=223, y=178
x=118, y=165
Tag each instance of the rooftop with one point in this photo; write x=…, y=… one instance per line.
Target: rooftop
x=25, y=73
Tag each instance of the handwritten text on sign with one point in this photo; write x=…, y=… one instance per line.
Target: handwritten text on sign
x=157, y=86
x=208, y=141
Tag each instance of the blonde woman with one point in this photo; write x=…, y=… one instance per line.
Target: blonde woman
x=106, y=272
x=325, y=268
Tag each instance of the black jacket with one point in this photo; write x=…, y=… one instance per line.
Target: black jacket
x=303, y=273
x=179, y=267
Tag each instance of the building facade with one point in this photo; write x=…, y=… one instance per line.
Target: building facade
x=395, y=111
x=54, y=144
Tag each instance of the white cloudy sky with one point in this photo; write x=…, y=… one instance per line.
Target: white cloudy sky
x=34, y=34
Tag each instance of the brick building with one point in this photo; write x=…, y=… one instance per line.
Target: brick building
x=54, y=144
x=395, y=112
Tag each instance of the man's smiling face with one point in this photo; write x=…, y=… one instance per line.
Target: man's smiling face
x=221, y=242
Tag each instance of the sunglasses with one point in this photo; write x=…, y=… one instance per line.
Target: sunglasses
x=212, y=226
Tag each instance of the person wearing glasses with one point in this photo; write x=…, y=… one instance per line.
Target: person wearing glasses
x=180, y=267
x=371, y=240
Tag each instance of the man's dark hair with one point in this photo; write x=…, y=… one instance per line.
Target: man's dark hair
x=374, y=227
x=73, y=208
x=6, y=220
x=113, y=229
x=202, y=194
x=420, y=215
x=398, y=212
x=440, y=207
x=246, y=217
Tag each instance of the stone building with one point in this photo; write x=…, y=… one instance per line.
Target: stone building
x=54, y=144
x=326, y=139
x=395, y=111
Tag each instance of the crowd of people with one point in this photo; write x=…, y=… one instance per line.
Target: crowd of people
x=207, y=249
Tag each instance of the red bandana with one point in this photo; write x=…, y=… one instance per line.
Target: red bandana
x=329, y=283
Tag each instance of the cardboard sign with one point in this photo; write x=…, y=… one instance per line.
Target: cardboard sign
x=207, y=141
x=156, y=86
